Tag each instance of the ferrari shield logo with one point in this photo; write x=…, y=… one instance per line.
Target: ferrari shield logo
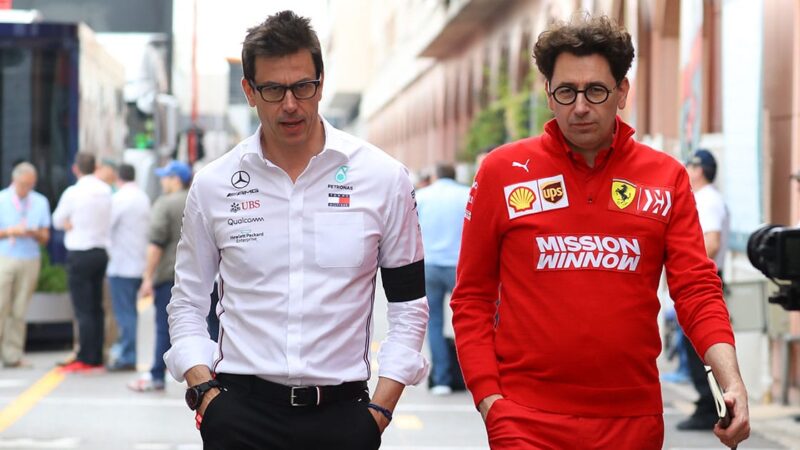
x=622, y=193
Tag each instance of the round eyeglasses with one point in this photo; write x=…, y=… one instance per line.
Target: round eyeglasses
x=594, y=94
x=274, y=93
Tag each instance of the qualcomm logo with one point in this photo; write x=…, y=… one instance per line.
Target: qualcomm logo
x=242, y=220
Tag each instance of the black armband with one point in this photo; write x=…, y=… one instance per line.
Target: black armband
x=403, y=284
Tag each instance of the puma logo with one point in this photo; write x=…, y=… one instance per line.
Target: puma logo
x=524, y=166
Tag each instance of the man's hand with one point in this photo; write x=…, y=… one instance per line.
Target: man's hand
x=722, y=359
x=486, y=404
x=382, y=421
x=42, y=235
x=146, y=289
x=387, y=393
x=154, y=253
x=739, y=428
x=15, y=231
x=207, y=398
x=197, y=375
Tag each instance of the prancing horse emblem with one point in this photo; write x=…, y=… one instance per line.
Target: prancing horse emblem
x=622, y=193
x=240, y=179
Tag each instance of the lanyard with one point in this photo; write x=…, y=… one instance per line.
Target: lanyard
x=20, y=205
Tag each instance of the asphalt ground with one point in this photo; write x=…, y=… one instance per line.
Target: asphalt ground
x=43, y=409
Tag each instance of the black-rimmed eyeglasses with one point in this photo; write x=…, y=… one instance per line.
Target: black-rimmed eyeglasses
x=594, y=94
x=273, y=93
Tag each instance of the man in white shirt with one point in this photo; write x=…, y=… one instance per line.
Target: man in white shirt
x=714, y=220
x=296, y=220
x=84, y=212
x=130, y=218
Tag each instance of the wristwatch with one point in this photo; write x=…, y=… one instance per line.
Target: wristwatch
x=194, y=395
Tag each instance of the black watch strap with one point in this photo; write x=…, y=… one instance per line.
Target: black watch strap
x=194, y=395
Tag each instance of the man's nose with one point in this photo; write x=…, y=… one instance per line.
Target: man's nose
x=581, y=104
x=289, y=101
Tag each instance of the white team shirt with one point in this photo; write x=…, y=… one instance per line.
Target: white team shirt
x=297, y=264
x=713, y=216
x=87, y=205
x=130, y=219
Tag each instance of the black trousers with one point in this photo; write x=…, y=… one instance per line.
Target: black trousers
x=242, y=420
x=86, y=270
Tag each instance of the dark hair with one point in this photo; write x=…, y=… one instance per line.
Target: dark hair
x=127, y=172
x=585, y=36
x=85, y=163
x=282, y=34
x=710, y=173
x=445, y=170
x=704, y=159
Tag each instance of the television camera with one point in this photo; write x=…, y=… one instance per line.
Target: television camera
x=775, y=251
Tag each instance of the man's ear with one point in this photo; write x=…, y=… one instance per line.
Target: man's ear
x=550, y=102
x=623, y=89
x=321, y=83
x=249, y=92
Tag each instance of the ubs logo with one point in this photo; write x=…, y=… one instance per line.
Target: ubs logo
x=240, y=179
x=245, y=205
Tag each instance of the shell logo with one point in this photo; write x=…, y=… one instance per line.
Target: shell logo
x=521, y=199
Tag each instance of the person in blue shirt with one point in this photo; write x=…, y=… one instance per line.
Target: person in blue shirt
x=24, y=225
x=441, y=207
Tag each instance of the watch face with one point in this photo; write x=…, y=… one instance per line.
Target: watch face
x=192, y=398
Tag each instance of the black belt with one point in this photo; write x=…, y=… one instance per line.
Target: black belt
x=297, y=395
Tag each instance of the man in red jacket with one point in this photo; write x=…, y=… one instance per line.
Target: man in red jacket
x=572, y=229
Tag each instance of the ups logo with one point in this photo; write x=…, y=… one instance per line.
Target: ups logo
x=553, y=192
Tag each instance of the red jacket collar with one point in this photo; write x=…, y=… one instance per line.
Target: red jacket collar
x=554, y=138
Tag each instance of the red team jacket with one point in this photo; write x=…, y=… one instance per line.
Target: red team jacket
x=576, y=254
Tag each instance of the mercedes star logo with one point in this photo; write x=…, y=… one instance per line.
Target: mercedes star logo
x=240, y=179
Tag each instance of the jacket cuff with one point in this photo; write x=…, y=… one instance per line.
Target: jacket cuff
x=484, y=387
x=717, y=337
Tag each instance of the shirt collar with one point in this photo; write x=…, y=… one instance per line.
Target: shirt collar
x=89, y=178
x=127, y=185
x=445, y=181
x=334, y=141
x=709, y=186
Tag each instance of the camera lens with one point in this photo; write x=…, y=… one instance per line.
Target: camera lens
x=761, y=249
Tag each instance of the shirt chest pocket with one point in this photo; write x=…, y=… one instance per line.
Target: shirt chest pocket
x=339, y=239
